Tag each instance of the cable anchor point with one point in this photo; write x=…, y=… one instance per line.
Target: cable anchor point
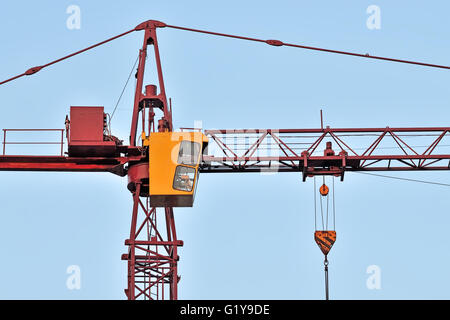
x=149, y=24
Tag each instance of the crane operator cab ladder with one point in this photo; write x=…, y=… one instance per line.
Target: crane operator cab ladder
x=174, y=159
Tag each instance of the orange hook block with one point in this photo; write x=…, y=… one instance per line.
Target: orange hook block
x=324, y=190
x=325, y=240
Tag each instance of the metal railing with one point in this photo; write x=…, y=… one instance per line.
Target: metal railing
x=33, y=142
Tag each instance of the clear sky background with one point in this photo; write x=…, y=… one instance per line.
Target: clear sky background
x=249, y=236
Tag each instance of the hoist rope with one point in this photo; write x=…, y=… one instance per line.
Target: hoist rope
x=325, y=209
x=334, y=210
x=321, y=212
x=315, y=205
x=325, y=237
x=327, y=295
x=326, y=225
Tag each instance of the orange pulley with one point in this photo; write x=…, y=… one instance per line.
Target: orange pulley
x=324, y=190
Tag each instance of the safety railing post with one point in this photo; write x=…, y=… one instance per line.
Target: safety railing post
x=62, y=141
x=4, y=141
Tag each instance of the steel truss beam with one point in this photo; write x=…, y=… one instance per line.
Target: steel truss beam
x=152, y=255
x=310, y=150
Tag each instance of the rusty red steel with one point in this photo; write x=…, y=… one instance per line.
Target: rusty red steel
x=403, y=156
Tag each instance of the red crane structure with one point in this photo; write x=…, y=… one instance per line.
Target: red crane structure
x=152, y=255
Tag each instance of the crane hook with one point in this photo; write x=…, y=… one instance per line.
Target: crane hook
x=325, y=241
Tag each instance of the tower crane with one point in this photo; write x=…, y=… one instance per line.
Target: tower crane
x=163, y=168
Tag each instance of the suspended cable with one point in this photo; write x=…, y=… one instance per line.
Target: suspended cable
x=38, y=68
x=123, y=90
x=326, y=226
x=404, y=179
x=327, y=288
x=334, y=209
x=315, y=205
x=278, y=43
x=321, y=213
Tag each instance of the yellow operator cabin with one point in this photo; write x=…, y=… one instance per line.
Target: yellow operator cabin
x=174, y=159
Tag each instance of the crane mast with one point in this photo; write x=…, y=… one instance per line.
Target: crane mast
x=152, y=256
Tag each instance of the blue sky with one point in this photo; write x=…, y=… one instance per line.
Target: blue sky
x=248, y=235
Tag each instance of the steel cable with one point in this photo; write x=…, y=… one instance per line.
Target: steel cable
x=404, y=179
x=276, y=43
x=123, y=90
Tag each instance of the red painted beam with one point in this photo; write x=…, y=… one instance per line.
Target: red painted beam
x=328, y=158
x=64, y=164
x=340, y=130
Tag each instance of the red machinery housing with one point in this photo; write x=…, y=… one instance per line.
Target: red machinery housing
x=86, y=134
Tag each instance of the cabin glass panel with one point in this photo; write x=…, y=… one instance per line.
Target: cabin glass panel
x=189, y=153
x=184, y=178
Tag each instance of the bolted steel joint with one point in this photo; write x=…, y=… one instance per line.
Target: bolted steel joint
x=149, y=24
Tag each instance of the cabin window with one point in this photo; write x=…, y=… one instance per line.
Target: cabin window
x=189, y=153
x=184, y=178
